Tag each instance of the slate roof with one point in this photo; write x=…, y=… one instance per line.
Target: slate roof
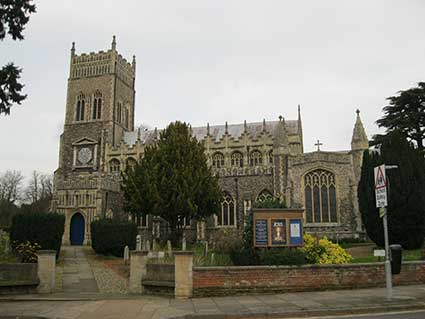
x=217, y=131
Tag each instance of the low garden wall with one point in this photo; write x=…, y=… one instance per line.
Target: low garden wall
x=218, y=281
x=18, y=278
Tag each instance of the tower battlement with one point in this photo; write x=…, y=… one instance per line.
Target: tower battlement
x=102, y=63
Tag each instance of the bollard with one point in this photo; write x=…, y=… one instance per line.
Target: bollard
x=138, y=261
x=183, y=267
x=46, y=260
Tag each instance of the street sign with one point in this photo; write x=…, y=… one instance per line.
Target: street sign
x=380, y=186
x=381, y=212
x=379, y=253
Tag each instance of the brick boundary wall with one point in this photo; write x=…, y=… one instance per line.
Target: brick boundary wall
x=219, y=281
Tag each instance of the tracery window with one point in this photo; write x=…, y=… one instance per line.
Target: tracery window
x=97, y=106
x=81, y=103
x=114, y=166
x=131, y=162
x=320, y=197
x=227, y=215
x=264, y=195
x=237, y=159
x=218, y=160
x=255, y=158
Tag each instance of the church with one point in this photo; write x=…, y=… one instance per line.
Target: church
x=254, y=161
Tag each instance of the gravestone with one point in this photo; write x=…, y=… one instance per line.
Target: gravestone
x=184, y=243
x=154, y=245
x=126, y=255
x=212, y=259
x=169, y=248
x=206, y=249
x=138, y=243
x=148, y=245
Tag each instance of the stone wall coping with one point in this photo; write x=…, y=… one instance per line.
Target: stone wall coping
x=279, y=209
x=235, y=268
x=139, y=253
x=46, y=252
x=183, y=253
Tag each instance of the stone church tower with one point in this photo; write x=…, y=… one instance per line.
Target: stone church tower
x=99, y=109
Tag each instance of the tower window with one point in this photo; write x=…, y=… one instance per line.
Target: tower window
x=97, y=106
x=79, y=114
x=320, y=197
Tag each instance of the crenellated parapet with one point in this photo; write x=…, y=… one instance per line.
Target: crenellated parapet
x=102, y=63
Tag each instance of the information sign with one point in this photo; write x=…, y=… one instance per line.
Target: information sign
x=261, y=232
x=295, y=232
x=279, y=231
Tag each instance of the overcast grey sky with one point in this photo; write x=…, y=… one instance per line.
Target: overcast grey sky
x=217, y=61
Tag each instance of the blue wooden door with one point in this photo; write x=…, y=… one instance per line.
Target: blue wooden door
x=77, y=229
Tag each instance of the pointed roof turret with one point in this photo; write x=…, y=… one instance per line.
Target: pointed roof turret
x=359, y=140
x=73, y=49
x=114, y=43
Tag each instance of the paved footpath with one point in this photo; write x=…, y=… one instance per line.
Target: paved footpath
x=250, y=306
x=77, y=274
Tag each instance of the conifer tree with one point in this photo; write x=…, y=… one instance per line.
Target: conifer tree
x=173, y=181
x=406, y=193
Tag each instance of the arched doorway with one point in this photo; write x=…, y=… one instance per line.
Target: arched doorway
x=77, y=229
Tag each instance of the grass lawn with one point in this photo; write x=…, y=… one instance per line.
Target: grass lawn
x=360, y=256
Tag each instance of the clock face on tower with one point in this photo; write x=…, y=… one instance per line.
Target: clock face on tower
x=85, y=155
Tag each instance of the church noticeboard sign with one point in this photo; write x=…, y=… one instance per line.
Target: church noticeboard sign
x=278, y=227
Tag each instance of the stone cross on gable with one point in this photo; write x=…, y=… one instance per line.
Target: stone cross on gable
x=318, y=144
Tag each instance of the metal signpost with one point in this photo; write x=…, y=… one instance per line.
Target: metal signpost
x=381, y=185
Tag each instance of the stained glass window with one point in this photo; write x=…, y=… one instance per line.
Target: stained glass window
x=255, y=158
x=237, y=159
x=218, y=160
x=227, y=215
x=320, y=197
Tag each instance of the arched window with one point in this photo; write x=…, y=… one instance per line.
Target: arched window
x=237, y=159
x=264, y=195
x=131, y=162
x=97, y=106
x=271, y=157
x=218, y=160
x=255, y=158
x=320, y=197
x=227, y=215
x=81, y=101
x=114, y=166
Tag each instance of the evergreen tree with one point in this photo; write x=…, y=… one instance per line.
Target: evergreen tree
x=14, y=15
x=406, y=114
x=173, y=181
x=406, y=193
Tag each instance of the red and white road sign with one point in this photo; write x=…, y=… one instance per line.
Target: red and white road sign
x=380, y=186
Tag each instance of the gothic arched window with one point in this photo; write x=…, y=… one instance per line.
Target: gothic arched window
x=237, y=159
x=114, y=166
x=218, y=160
x=255, y=158
x=131, y=162
x=227, y=215
x=320, y=197
x=97, y=105
x=264, y=195
x=81, y=101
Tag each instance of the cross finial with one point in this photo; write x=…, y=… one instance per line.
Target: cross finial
x=318, y=144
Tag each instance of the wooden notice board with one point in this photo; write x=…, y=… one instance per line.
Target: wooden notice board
x=278, y=227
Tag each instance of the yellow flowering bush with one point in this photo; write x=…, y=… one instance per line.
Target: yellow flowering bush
x=323, y=251
x=27, y=251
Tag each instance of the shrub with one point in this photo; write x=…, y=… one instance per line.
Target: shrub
x=226, y=240
x=282, y=256
x=27, y=252
x=324, y=251
x=109, y=236
x=44, y=229
x=243, y=256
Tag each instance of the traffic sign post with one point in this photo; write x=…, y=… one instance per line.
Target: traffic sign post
x=382, y=203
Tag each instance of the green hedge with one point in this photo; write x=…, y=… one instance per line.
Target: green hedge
x=282, y=256
x=109, y=236
x=44, y=229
